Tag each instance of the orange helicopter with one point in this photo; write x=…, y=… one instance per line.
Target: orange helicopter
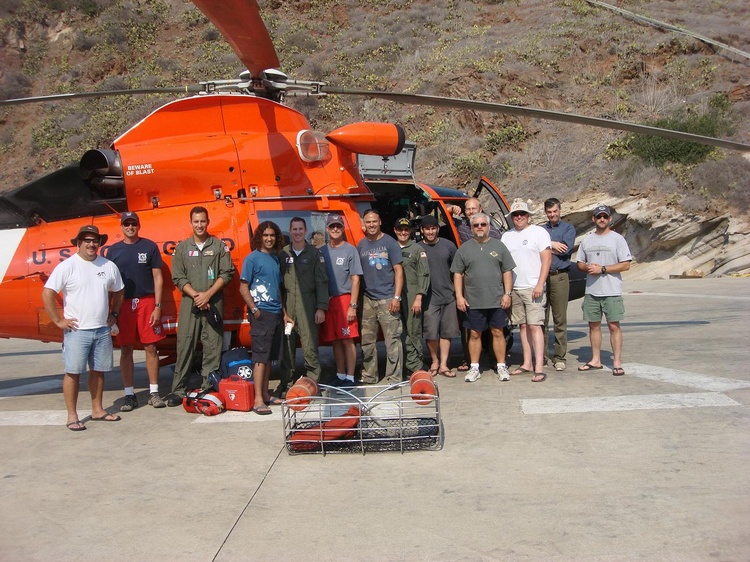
x=235, y=149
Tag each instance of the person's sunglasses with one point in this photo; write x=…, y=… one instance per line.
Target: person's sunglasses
x=602, y=217
x=129, y=223
x=335, y=227
x=479, y=224
x=516, y=215
x=90, y=241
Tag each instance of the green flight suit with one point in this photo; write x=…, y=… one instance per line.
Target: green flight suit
x=416, y=282
x=305, y=290
x=199, y=268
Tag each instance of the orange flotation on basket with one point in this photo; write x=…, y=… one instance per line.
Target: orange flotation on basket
x=341, y=427
x=423, y=388
x=298, y=397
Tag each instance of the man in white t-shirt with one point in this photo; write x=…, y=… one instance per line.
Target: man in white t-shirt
x=87, y=281
x=530, y=247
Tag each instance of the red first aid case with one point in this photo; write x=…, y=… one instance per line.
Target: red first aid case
x=238, y=393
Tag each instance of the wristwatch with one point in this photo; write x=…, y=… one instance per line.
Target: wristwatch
x=157, y=305
x=353, y=305
x=604, y=270
x=115, y=314
x=398, y=298
x=253, y=311
x=509, y=294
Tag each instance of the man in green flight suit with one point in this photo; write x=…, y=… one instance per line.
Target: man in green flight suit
x=201, y=268
x=305, y=294
x=417, y=276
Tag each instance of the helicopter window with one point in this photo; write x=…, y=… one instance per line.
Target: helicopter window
x=316, y=222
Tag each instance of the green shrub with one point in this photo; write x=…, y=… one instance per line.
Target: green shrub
x=507, y=137
x=660, y=150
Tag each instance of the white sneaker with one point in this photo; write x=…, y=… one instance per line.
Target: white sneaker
x=473, y=375
x=502, y=373
x=559, y=366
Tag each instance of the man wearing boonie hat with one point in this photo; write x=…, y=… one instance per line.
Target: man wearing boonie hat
x=530, y=246
x=340, y=328
x=416, y=284
x=140, y=263
x=87, y=282
x=603, y=255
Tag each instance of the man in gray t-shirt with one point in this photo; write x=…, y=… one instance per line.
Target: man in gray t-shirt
x=340, y=327
x=383, y=278
x=603, y=256
x=483, y=278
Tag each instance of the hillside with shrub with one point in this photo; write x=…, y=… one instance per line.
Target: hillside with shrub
x=565, y=55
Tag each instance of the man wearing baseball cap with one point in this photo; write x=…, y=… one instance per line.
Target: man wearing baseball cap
x=603, y=256
x=416, y=284
x=140, y=263
x=340, y=328
x=87, y=282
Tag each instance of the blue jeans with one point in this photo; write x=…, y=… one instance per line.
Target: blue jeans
x=87, y=346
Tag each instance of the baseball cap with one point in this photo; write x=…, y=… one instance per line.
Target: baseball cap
x=403, y=223
x=429, y=220
x=599, y=209
x=519, y=206
x=89, y=229
x=334, y=219
x=129, y=215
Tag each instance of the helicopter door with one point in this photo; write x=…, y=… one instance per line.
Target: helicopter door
x=493, y=203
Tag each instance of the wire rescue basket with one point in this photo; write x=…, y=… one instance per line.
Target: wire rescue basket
x=400, y=417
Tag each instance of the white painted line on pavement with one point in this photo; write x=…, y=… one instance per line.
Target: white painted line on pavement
x=34, y=387
x=701, y=296
x=684, y=378
x=38, y=417
x=232, y=416
x=625, y=403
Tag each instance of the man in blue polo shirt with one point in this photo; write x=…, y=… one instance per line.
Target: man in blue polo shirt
x=563, y=236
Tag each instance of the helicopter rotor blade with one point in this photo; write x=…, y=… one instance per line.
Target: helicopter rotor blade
x=240, y=23
x=103, y=94
x=456, y=103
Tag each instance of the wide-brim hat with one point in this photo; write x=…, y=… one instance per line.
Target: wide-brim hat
x=89, y=229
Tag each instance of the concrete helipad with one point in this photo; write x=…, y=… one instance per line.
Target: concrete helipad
x=649, y=466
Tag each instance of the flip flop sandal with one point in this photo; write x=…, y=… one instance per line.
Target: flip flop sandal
x=274, y=402
x=448, y=373
x=263, y=411
x=433, y=371
x=536, y=379
x=463, y=368
x=520, y=371
x=590, y=367
x=107, y=418
x=618, y=371
x=75, y=426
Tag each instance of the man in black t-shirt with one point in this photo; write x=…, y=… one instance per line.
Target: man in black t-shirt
x=440, y=319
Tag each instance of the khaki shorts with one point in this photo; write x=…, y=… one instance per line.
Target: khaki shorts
x=526, y=310
x=612, y=307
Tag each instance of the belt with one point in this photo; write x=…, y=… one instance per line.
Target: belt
x=556, y=271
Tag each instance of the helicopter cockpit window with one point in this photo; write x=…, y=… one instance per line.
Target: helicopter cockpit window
x=316, y=223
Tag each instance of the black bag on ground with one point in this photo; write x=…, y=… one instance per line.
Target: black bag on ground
x=236, y=361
